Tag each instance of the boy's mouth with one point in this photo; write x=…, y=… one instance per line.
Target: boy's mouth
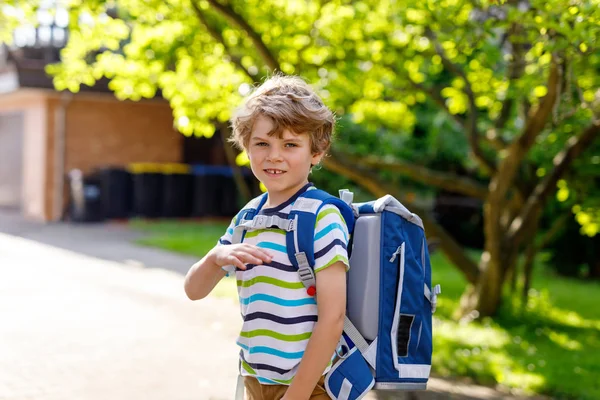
x=273, y=171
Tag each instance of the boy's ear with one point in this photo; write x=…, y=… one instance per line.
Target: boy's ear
x=316, y=158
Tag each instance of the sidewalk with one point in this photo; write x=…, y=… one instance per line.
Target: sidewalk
x=76, y=327
x=86, y=314
x=107, y=241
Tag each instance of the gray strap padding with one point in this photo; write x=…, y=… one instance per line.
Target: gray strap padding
x=432, y=296
x=308, y=205
x=389, y=203
x=268, y=221
x=305, y=272
x=359, y=341
x=238, y=231
x=346, y=196
x=262, y=222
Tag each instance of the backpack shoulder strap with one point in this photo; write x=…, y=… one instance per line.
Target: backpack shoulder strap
x=247, y=213
x=301, y=241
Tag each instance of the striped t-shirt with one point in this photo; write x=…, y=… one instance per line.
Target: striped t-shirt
x=278, y=314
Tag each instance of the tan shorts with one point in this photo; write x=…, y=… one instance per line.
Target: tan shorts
x=256, y=391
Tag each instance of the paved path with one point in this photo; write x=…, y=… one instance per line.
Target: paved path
x=76, y=327
x=85, y=314
x=109, y=241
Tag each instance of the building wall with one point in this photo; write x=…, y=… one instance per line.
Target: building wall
x=11, y=159
x=84, y=131
x=32, y=105
x=100, y=131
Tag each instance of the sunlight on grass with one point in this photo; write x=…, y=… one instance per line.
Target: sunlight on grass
x=552, y=346
x=190, y=238
x=563, y=341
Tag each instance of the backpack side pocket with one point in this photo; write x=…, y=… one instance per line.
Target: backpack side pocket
x=350, y=378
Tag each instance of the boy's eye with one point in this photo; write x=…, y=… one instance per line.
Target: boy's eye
x=291, y=145
x=262, y=144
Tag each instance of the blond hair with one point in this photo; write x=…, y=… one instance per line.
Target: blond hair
x=291, y=104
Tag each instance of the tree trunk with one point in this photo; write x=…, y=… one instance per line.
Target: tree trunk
x=484, y=298
x=238, y=177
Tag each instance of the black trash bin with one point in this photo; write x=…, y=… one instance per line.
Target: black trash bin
x=230, y=195
x=215, y=190
x=177, y=191
x=85, y=203
x=228, y=204
x=252, y=183
x=206, y=190
x=147, y=181
x=117, y=192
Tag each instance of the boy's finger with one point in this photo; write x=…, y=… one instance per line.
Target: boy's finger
x=251, y=258
x=263, y=253
x=237, y=262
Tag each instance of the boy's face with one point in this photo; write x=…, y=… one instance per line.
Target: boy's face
x=282, y=165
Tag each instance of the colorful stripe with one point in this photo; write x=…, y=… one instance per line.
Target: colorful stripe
x=327, y=211
x=271, y=351
x=257, y=232
x=274, y=264
x=270, y=281
x=272, y=246
x=265, y=367
x=276, y=300
x=280, y=320
x=276, y=335
x=325, y=250
x=333, y=261
x=330, y=228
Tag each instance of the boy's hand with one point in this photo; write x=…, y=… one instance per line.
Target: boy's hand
x=239, y=255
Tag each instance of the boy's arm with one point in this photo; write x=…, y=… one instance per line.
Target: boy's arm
x=203, y=276
x=331, y=306
x=206, y=273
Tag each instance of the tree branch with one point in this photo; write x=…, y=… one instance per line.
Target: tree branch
x=448, y=181
x=563, y=160
x=515, y=70
x=495, y=140
x=534, y=248
x=229, y=13
x=473, y=132
x=519, y=148
x=238, y=177
x=435, y=95
x=371, y=182
x=217, y=36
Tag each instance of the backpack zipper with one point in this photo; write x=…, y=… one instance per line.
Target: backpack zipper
x=397, y=252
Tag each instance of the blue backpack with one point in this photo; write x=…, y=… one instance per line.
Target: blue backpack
x=387, y=338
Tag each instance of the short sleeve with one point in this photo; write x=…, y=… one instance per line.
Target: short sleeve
x=331, y=238
x=225, y=240
x=228, y=235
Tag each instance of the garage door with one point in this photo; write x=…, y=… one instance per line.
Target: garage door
x=11, y=159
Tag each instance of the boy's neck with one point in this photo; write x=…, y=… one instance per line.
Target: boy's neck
x=276, y=199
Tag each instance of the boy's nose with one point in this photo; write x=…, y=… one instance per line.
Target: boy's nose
x=274, y=154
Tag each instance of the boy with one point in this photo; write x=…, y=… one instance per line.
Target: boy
x=288, y=338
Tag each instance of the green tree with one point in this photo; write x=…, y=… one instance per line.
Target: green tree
x=517, y=81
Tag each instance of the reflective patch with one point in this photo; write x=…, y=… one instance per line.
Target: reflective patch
x=307, y=205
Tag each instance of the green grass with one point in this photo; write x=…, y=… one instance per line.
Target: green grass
x=185, y=237
x=552, y=346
